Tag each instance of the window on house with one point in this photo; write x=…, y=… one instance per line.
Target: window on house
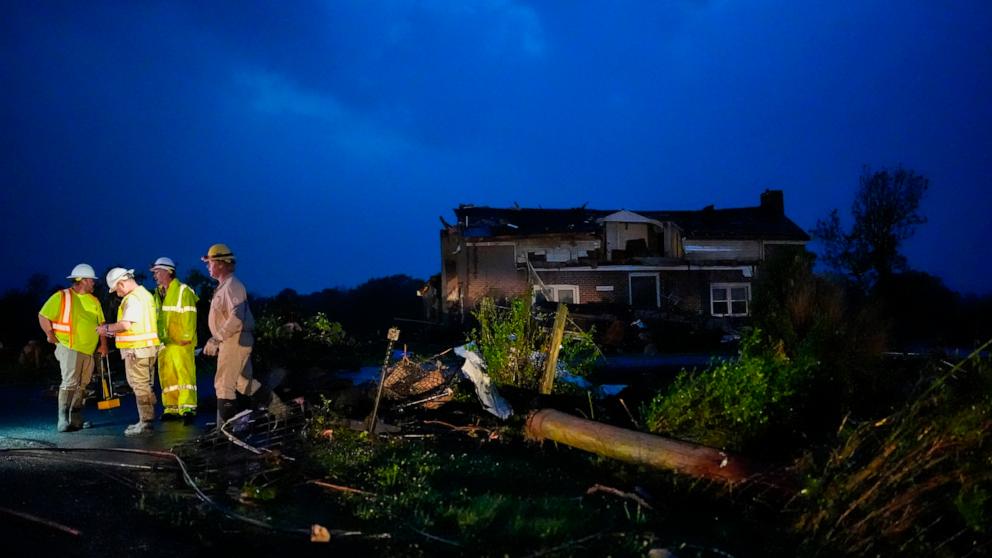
x=730, y=299
x=566, y=294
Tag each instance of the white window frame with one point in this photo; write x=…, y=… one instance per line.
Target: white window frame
x=657, y=287
x=554, y=291
x=728, y=288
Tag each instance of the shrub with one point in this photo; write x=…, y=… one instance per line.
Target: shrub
x=732, y=403
x=316, y=342
x=513, y=340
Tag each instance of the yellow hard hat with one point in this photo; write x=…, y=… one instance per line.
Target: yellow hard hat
x=219, y=252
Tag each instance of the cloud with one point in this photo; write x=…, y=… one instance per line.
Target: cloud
x=503, y=25
x=357, y=135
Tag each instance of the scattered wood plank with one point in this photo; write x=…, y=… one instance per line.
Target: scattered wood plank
x=340, y=488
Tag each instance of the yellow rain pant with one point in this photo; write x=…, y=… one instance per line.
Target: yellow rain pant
x=177, y=376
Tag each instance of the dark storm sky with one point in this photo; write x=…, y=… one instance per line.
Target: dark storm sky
x=322, y=140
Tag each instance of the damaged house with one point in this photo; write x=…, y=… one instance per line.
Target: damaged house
x=690, y=263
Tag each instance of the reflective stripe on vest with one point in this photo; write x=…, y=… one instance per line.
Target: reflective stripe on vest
x=63, y=323
x=178, y=307
x=140, y=334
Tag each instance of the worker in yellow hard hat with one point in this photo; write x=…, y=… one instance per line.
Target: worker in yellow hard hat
x=69, y=319
x=175, y=304
x=231, y=328
x=136, y=333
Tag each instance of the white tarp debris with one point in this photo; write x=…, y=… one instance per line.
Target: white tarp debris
x=475, y=370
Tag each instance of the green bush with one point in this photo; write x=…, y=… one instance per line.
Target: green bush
x=316, y=342
x=513, y=340
x=732, y=403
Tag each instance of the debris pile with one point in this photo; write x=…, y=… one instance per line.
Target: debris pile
x=425, y=383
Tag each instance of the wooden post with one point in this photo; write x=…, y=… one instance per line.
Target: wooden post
x=393, y=335
x=551, y=364
x=638, y=447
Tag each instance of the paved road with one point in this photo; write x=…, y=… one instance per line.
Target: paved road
x=86, y=501
x=29, y=416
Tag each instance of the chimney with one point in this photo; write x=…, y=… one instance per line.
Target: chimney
x=773, y=202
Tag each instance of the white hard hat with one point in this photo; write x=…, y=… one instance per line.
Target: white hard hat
x=115, y=275
x=164, y=263
x=82, y=271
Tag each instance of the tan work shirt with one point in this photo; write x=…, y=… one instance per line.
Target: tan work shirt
x=230, y=317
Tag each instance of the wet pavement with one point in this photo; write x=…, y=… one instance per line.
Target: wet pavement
x=29, y=417
x=73, y=494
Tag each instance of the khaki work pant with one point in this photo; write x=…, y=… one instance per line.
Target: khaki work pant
x=77, y=370
x=76, y=367
x=234, y=371
x=139, y=376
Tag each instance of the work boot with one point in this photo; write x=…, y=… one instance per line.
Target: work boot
x=146, y=408
x=277, y=407
x=65, y=402
x=267, y=400
x=146, y=414
x=226, y=409
x=140, y=428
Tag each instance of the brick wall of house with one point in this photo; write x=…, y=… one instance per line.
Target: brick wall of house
x=692, y=288
x=587, y=282
x=492, y=272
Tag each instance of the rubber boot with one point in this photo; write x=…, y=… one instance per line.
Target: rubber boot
x=226, y=409
x=146, y=414
x=65, y=401
x=76, y=421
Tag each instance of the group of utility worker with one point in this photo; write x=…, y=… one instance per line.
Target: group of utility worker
x=150, y=327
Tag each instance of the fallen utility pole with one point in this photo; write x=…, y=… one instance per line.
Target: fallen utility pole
x=637, y=447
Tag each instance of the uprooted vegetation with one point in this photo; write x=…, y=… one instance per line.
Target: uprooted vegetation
x=918, y=481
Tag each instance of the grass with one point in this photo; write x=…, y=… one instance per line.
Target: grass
x=499, y=497
x=916, y=482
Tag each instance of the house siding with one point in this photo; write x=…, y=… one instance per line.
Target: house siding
x=723, y=250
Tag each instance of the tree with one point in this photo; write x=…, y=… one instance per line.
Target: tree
x=885, y=212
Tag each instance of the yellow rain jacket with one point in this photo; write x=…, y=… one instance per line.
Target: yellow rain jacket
x=176, y=363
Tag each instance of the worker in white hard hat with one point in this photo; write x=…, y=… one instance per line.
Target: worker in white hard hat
x=175, y=303
x=69, y=319
x=136, y=335
x=231, y=326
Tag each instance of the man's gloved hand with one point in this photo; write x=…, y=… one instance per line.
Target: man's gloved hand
x=212, y=346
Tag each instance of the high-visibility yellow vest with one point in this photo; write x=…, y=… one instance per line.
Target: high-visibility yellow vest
x=143, y=333
x=74, y=318
x=63, y=323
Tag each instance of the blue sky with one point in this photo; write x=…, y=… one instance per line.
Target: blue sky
x=322, y=140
